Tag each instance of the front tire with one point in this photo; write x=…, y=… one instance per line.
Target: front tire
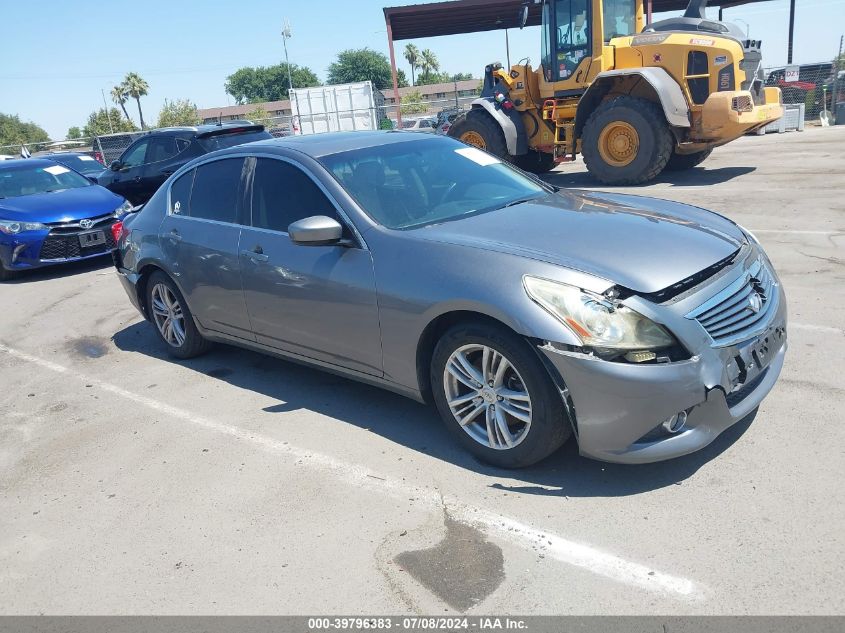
x=496, y=396
x=626, y=141
x=172, y=318
x=478, y=129
x=680, y=162
x=5, y=273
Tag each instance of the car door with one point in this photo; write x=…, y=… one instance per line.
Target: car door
x=159, y=164
x=126, y=181
x=199, y=237
x=316, y=301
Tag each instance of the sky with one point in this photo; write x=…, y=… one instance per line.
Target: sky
x=56, y=57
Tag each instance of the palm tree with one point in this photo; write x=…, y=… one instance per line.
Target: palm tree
x=136, y=88
x=428, y=62
x=119, y=95
x=412, y=54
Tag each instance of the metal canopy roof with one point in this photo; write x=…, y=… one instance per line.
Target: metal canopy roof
x=471, y=16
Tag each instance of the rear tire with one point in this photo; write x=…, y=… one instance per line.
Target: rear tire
x=476, y=128
x=626, y=141
x=535, y=162
x=172, y=319
x=680, y=162
x=540, y=425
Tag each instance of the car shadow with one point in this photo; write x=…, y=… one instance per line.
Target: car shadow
x=695, y=177
x=418, y=427
x=58, y=271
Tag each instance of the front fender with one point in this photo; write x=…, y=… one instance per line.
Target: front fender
x=516, y=138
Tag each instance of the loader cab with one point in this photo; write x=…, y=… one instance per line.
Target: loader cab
x=574, y=33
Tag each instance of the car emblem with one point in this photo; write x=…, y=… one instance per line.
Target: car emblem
x=86, y=224
x=755, y=303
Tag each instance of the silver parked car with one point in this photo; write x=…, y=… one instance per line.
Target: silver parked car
x=525, y=313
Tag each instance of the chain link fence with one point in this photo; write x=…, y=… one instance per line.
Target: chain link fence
x=818, y=87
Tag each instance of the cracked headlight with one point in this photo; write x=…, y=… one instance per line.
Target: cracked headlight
x=595, y=320
x=13, y=228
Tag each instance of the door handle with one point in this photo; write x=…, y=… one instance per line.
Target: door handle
x=256, y=254
x=175, y=236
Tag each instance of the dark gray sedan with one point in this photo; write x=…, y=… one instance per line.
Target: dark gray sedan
x=525, y=313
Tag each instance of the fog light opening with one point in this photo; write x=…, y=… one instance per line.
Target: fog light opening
x=676, y=423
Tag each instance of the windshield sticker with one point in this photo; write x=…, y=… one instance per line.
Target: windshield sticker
x=85, y=158
x=56, y=170
x=720, y=59
x=477, y=156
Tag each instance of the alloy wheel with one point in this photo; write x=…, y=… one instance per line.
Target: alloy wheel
x=487, y=396
x=168, y=315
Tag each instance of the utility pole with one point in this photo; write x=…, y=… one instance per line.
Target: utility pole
x=286, y=33
x=791, y=31
x=108, y=116
x=507, y=49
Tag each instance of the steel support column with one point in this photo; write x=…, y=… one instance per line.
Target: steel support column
x=396, y=97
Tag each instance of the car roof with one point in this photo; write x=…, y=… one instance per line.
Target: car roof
x=197, y=129
x=318, y=145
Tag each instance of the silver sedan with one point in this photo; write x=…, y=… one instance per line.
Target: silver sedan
x=525, y=313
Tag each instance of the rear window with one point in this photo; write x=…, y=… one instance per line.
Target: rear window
x=222, y=141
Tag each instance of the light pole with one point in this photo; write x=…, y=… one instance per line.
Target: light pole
x=106, y=108
x=286, y=33
x=747, y=27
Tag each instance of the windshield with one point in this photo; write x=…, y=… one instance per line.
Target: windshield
x=222, y=141
x=413, y=184
x=28, y=180
x=408, y=124
x=619, y=18
x=82, y=164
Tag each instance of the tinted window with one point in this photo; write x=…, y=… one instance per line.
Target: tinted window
x=222, y=141
x=182, y=144
x=283, y=194
x=216, y=190
x=135, y=155
x=161, y=148
x=180, y=193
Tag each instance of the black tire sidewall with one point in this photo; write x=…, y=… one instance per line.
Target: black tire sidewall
x=479, y=121
x=655, y=146
x=194, y=343
x=681, y=162
x=550, y=425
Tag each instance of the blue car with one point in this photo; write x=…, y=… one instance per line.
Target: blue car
x=79, y=161
x=50, y=214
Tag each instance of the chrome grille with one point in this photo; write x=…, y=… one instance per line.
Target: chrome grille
x=730, y=316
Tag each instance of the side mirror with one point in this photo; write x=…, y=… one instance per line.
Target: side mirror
x=523, y=15
x=115, y=165
x=318, y=230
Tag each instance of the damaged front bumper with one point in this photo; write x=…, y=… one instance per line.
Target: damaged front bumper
x=619, y=409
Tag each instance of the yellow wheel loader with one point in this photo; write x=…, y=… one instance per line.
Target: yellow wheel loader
x=633, y=100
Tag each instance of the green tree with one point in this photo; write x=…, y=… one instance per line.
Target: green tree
x=136, y=88
x=101, y=122
x=362, y=64
x=429, y=66
x=74, y=132
x=268, y=83
x=178, y=112
x=412, y=103
x=260, y=115
x=401, y=79
x=119, y=94
x=13, y=131
x=412, y=55
x=460, y=77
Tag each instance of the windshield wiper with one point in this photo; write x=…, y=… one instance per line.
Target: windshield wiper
x=518, y=201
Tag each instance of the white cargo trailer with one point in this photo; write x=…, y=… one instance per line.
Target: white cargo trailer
x=356, y=106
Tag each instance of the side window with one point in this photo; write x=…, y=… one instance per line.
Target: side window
x=217, y=190
x=283, y=194
x=180, y=194
x=135, y=155
x=161, y=148
x=425, y=124
x=573, y=35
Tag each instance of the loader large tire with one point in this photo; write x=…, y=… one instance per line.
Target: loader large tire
x=680, y=162
x=535, y=162
x=477, y=128
x=626, y=141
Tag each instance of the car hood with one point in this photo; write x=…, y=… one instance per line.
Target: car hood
x=60, y=206
x=644, y=244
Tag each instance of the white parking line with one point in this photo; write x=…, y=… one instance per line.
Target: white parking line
x=525, y=536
